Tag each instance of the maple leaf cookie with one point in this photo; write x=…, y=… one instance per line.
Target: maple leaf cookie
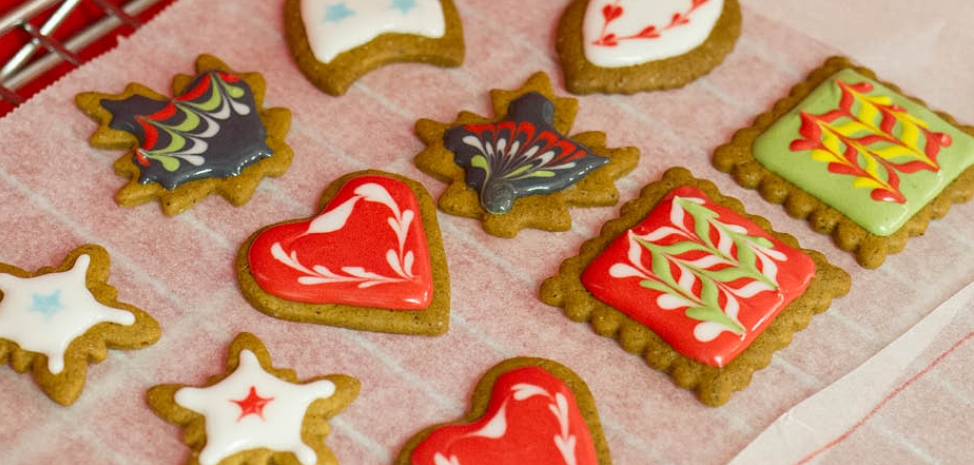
x=55, y=320
x=372, y=259
x=521, y=169
x=213, y=136
x=524, y=411
x=702, y=290
x=857, y=158
x=255, y=413
x=334, y=42
x=628, y=46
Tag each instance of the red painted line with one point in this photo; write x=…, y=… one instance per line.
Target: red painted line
x=886, y=400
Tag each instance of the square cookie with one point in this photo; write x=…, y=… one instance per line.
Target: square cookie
x=856, y=158
x=699, y=288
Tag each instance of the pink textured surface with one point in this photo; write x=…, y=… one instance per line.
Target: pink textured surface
x=56, y=193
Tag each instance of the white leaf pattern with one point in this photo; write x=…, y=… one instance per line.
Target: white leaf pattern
x=688, y=273
x=400, y=261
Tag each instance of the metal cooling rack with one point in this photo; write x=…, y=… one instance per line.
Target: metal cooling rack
x=24, y=67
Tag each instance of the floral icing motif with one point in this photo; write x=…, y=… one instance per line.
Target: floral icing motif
x=275, y=424
x=366, y=248
x=45, y=313
x=852, y=143
x=360, y=21
x=532, y=418
x=624, y=33
x=211, y=131
x=702, y=277
x=870, y=153
x=522, y=155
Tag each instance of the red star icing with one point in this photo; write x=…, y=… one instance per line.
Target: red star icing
x=253, y=404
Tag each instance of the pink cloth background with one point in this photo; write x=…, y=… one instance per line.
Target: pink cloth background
x=56, y=192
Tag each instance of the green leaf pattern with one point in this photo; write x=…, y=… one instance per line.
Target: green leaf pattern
x=748, y=262
x=200, y=121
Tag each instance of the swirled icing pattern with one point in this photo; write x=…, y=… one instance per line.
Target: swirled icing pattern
x=210, y=131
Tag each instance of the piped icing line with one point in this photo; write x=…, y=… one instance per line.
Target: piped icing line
x=252, y=408
x=337, y=26
x=621, y=33
x=45, y=313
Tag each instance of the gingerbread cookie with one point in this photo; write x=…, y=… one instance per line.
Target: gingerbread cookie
x=372, y=259
x=524, y=410
x=628, y=46
x=214, y=136
x=336, y=42
x=255, y=413
x=520, y=169
x=55, y=320
x=857, y=158
x=702, y=290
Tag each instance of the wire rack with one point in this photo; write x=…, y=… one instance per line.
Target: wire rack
x=30, y=63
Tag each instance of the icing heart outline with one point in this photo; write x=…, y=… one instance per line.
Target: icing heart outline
x=512, y=398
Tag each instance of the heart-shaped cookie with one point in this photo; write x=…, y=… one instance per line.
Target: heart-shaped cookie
x=373, y=254
x=336, y=42
x=525, y=410
x=627, y=46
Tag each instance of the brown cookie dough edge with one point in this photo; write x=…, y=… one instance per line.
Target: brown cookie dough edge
x=583, y=77
x=235, y=189
x=547, y=212
x=314, y=426
x=335, y=77
x=713, y=386
x=736, y=157
x=481, y=399
x=90, y=347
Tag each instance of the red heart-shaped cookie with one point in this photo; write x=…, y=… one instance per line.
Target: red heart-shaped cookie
x=538, y=413
x=366, y=248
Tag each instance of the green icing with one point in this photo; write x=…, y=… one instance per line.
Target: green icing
x=846, y=193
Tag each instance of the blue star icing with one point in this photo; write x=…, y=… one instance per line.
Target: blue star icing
x=48, y=305
x=404, y=5
x=338, y=12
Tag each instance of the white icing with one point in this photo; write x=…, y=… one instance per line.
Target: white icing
x=279, y=426
x=400, y=261
x=45, y=313
x=639, y=14
x=364, y=20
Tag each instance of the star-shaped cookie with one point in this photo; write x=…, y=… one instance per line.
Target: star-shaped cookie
x=55, y=320
x=521, y=169
x=254, y=412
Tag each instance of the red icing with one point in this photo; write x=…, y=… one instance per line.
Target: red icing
x=613, y=11
x=627, y=294
x=364, y=262
x=527, y=431
x=253, y=404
